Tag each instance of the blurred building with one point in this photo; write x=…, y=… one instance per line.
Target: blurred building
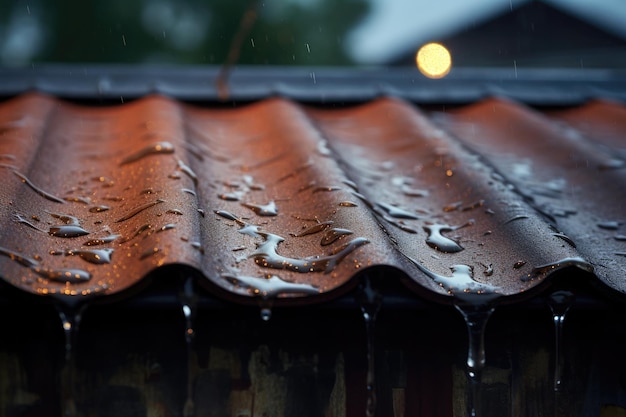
x=535, y=34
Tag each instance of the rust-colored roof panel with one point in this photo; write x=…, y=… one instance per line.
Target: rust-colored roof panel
x=277, y=199
x=562, y=172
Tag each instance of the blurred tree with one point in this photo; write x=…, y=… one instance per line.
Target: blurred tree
x=286, y=32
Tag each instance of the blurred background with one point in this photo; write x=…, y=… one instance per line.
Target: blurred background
x=520, y=33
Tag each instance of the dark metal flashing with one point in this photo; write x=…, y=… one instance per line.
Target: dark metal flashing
x=325, y=85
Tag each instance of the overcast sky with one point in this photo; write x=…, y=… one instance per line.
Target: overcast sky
x=395, y=25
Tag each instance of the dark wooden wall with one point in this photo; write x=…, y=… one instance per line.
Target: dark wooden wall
x=131, y=360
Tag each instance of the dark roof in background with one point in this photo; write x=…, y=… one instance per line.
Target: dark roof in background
x=534, y=34
x=296, y=199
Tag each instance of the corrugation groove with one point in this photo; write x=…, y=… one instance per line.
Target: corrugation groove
x=279, y=200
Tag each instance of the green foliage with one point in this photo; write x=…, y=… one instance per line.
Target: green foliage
x=285, y=32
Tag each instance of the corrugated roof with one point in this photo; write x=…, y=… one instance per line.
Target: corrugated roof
x=281, y=199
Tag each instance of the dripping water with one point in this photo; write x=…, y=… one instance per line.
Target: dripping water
x=270, y=286
x=370, y=300
x=189, y=301
x=476, y=317
x=266, y=313
x=70, y=321
x=560, y=303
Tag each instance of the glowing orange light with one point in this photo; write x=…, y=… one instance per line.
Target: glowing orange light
x=433, y=60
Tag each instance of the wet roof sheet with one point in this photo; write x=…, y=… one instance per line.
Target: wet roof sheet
x=280, y=199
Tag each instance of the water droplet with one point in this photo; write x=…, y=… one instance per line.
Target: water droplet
x=266, y=255
x=519, y=264
x=313, y=229
x=370, y=301
x=21, y=219
x=154, y=149
x=322, y=147
x=565, y=238
x=138, y=210
x=270, y=286
x=232, y=196
x=19, y=258
x=70, y=323
x=198, y=247
x=188, y=191
x=165, y=227
x=333, y=235
x=541, y=271
x=38, y=190
x=187, y=171
x=620, y=237
x=452, y=206
x=175, y=211
x=476, y=318
x=396, y=212
x=101, y=240
x=488, y=270
x=229, y=216
x=326, y=188
x=613, y=163
x=98, y=209
x=268, y=209
x=559, y=302
x=438, y=241
x=78, y=199
x=473, y=205
x=67, y=231
x=462, y=284
x=188, y=299
x=95, y=256
x=201, y=212
x=519, y=217
x=266, y=314
x=71, y=275
x=348, y=204
x=609, y=225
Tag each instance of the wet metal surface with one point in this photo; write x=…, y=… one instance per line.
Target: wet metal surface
x=279, y=200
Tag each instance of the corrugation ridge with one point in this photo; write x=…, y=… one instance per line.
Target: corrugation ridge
x=274, y=199
x=280, y=213
x=100, y=240
x=13, y=156
x=560, y=172
x=461, y=225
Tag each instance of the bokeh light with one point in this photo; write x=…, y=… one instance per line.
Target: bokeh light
x=433, y=60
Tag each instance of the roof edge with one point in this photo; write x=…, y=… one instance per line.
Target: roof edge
x=119, y=83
